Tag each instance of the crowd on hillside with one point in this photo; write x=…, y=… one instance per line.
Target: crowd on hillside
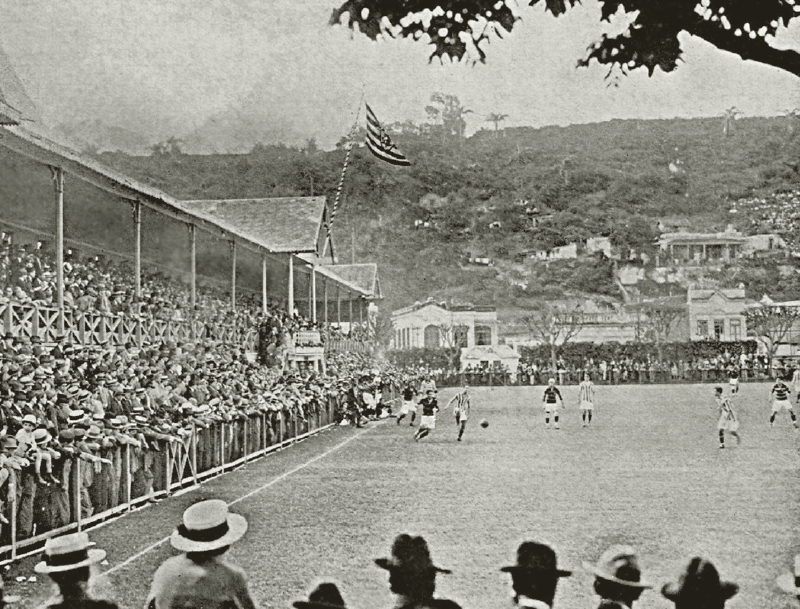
x=778, y=213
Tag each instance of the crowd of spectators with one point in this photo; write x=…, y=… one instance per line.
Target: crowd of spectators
x=68, y=401
x=746, y=366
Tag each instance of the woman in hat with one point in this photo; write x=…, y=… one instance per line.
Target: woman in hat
x=699, y=587
x=68, y=560
x=412, y=574
x=618, y=579
x=200, y=577
x=535, y=576
x=324, y=596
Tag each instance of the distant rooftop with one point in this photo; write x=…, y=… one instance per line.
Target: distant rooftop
x=447, y=307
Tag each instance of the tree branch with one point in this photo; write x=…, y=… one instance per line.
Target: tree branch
x=753, y=49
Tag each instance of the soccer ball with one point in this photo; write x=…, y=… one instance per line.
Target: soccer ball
x=484, y=423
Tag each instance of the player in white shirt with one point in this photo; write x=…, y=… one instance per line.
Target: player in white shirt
x=796, y=383
x=461, y=409
x=586, y=399
x=727, y=418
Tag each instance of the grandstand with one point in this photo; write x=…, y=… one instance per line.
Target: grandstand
x=143, y=378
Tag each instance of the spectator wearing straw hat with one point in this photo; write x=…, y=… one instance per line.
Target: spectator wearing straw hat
x=324, y=596
x=68, y=560
x=412, y=574
x=535, y=576
x=200, y=577
x=699, y=587
x=618, y=579
x=790, y=582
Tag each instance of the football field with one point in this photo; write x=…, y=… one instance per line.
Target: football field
x=647, y=472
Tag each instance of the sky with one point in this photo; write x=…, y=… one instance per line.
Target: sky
x=273, y=70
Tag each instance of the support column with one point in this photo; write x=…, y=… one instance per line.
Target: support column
x=325, y=296
x=193, y=244
x=339, y=306
x=137, y=227
x=314, y=293
x=58, y=180
x=350, y=302
x=233, y=275
x=264, y=284
x=361, y=311
x=291, y=286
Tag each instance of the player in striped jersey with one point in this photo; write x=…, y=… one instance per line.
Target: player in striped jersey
x=586, y=398
x=780, y=401
x=727, y=418
x=552, y=401
x=461, y=407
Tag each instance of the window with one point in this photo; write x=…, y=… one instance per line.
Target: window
x=460, y=334
x=736, y=329
x=432, y=337
x=702, y=327
x=483, y=335
x=719, y=329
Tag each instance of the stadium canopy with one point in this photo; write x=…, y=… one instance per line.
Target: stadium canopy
x=363, y=275
x=61, y=159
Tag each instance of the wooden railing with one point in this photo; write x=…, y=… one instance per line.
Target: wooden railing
x=94, y=328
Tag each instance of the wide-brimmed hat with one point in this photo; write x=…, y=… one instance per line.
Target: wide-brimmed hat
x=790, y=582
x=41, y=436
x=207, y=526
x=409, y=554
x=536, y=557
x=619, y=564
x=324, y=596
x=699, y=583
x=29, y=418
x=94, y=433
x=67, y=553
x=75, y=416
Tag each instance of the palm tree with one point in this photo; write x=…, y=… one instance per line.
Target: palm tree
x=496, y=119
x=729, y=116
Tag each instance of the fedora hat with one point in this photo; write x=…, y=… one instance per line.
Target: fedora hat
x=67, y=553
x=207, y=526
x=324, y=596
x=699, y=582
x=409, y=554
x=41, y=436
x=790, y=582
x=29, y=418
x=619, y=564
x=536, y=557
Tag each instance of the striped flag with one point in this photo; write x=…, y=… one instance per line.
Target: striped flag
x=380, y=144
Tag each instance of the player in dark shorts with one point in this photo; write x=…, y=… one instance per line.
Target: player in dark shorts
x=552, y=402
x=427, y=420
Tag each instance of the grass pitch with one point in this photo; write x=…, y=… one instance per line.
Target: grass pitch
x=647, y=472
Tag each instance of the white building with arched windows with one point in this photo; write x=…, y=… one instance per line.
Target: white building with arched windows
x=471, y=328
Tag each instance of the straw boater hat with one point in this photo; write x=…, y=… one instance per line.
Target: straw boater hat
x=324, y=596
x=620, y=565
x=409, y=554
x=536, y=558
x=699, y=584
x=67, y=553
x=41, y=436
x=790, y=582
x=208, y=526
x=75, y=416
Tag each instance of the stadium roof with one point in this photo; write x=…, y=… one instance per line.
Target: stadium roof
x=365, y=276
x=285, y=225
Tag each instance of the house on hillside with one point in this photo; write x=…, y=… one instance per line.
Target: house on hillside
x=716, y=314
x=562, y=252
x=684, y=248
x=599, y=244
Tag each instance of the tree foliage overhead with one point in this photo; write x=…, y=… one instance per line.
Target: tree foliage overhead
x=460, y=29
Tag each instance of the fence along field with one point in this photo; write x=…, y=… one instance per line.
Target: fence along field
x=648, y=473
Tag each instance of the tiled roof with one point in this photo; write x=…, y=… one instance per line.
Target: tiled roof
x=286, y=225
x=447, y=307
x=364, y=275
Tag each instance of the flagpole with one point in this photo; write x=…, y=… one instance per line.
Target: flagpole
x=340, y=187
